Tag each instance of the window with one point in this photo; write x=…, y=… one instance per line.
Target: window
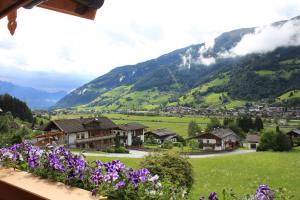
x=207, y=141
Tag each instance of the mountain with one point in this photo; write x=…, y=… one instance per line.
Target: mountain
x=241, y=66
x=35, y=99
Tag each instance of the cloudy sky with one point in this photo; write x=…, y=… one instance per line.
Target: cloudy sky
x=54, y=51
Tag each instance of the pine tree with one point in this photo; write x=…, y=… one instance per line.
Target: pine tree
x=258, y=124
x=283, y=142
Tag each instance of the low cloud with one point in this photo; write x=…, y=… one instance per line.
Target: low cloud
x=268, y=38
x=263, y=40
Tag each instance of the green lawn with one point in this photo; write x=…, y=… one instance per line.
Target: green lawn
x=287, y=95
x=243, y=173
x=265, y=72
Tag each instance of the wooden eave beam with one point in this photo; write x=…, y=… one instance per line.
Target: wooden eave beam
x=68, y=7
x=13, y=7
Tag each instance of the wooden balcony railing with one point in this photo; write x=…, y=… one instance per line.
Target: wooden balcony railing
x=104, y=137
x=16, y=185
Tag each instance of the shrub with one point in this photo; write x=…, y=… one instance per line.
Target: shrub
x=119, y=149
x=171, y=166
x=267, y=141
x=274, y=141
x=137, y=142
x=167, y=145
x=283, y=142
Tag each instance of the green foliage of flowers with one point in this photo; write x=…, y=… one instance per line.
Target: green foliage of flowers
x=111, y=179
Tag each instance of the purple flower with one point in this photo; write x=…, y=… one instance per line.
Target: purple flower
x=264, y=193
x=135, y=177
x=55, y=163
x=120, y=185
x=96, y=177
x=94, y=192
x=213, y=196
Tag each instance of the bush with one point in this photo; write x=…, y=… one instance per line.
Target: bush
x=283, y=142
x=274, y=141
x=171, y=166
x=119, y=149
x=167, y=145
x=137, y=142
x=267, y=141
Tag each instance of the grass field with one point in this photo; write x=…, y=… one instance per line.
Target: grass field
x=287, y=95
x=243, y=173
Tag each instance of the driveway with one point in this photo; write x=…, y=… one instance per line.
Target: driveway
x=141, y=154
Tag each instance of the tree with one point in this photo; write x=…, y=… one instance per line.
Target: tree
x=267, y=141
x=283, y=142
x=227, y=121
x=245, y=123
x=193, y=128
x=17, y=108
x=258, y=124
x=214, y=123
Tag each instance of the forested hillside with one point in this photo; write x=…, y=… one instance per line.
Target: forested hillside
x=200, y=75
x=17, y=108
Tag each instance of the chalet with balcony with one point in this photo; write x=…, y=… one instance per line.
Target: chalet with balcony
x=218, y=139
x=131, y=134
x=85, y=133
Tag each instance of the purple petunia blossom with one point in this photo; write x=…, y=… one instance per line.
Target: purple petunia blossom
x=213, y=196
x=120, y=185
x=264, y=193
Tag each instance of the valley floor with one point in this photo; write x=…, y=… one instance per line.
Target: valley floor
x=243, y=173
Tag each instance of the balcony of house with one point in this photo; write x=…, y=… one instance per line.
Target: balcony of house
x=93, y=136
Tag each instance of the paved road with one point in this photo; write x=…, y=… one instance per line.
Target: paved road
x=141, y=154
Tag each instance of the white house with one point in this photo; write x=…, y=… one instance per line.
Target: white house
x=128, y=132
x=251, y=141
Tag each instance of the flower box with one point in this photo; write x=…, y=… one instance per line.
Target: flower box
x=15, y=185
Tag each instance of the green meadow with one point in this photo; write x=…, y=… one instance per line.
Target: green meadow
x=243, y=173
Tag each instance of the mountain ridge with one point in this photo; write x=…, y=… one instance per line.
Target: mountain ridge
x=36, y=99
x=177, y=73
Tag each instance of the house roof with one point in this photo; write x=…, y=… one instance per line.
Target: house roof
x=295, y=131
x=132, y=126
x=218, y=133
x=252, y=138
x=163, y=132
x=80, y=125
x=223, y=132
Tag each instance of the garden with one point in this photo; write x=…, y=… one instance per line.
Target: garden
x=163, y=176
